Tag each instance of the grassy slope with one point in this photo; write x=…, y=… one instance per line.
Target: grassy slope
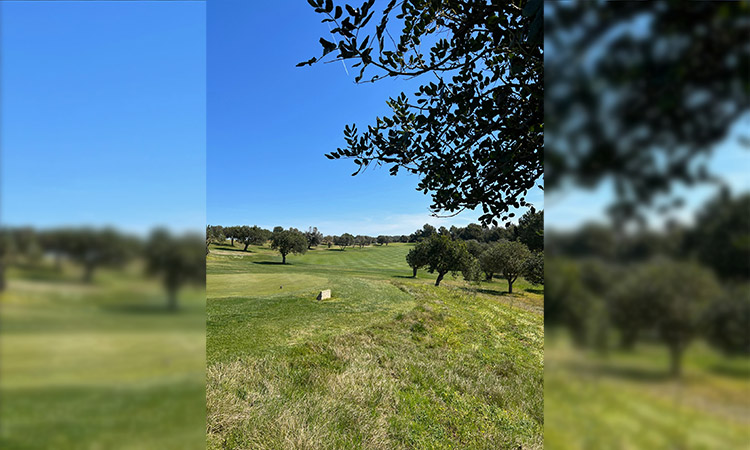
x=627, y=400
x=388, y=362
x=100, y=366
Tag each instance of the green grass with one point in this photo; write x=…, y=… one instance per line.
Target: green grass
x=101, y=365
x=389, y=362
x=627, y=400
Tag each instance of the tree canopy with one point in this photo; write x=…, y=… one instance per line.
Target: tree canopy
x=288, y=241
x=442, y=255
x=506, y=257
x=473, y=129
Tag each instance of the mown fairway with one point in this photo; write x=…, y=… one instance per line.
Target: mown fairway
x=101, y=365
x=389, y=362
x=628, y=399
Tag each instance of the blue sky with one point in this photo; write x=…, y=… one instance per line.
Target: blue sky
x=730, y=162
x=270, y=124
x=103, y=114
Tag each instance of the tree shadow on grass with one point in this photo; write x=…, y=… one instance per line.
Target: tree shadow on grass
x=535, y=291
x=272, y=263
x=146, y=309
x=637, y=374
x=488, y=292
x=232, y=249
x=405, y=276
x=732, y=371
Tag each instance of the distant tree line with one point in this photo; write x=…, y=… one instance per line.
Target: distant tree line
x=670, y=286
x=176, y=260
x=474, y=238
x=480, y=253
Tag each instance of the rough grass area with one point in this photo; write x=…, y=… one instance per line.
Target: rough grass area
x=628, y=400
x=388, y=363
x=99, y=366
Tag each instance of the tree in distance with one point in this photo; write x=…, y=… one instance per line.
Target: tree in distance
x=473, y=129
x=728, y=322
x=472, y=232
x=314, y=237
x=328, y=241
x=530, y=230
x=444, y=255
x=232, y=233
x=679, y=295
x=384, y=240
x=533, y=268
x=425, y=233
x=254, y=235
x=416, y=258
x=95, y=248
x=506, y=257
x=345, y=240
x=289, y=241
x=721, y=236
x=177, y=260
x=361, y=241
x=214, y=235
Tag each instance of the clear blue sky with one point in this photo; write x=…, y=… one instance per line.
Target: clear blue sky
x=104, y=114
x=270, y=124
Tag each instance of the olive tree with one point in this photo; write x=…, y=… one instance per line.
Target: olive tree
x=289, y=241
x=677, y=296
x=314, y=237
x=506, y=257
x=416, y=258
x=345, y=240
x=178, y=260
x=444, y=255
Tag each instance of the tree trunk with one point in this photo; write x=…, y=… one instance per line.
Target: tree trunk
x=675, y=360
x=510, y=285
x=628, y=338
x=439, y=278
x=246, y=246
x=414, y=272
x=88, y=273
x=232, y=242
x=283, y=258
x=488, y=276
x=172, y=299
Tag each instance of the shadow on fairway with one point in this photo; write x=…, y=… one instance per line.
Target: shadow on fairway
x=272, y=263
x=232, y=249
x=151, y=309
x=637, y=374
x=740, y=372
x=487, y=291
x=535, y=291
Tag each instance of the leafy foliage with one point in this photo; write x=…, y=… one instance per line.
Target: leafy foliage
x=254, y=235
x=473, y=130
x=441, y=254
x=533, y=268
x=721, y=236
x=314, y=237
x=530, y=230
x=638, y=93
x=678, y=294
x=177, y=260
x=345, y=240
x=728, y=322
x=289, y=241
x=416, y=258
x=506, y=257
